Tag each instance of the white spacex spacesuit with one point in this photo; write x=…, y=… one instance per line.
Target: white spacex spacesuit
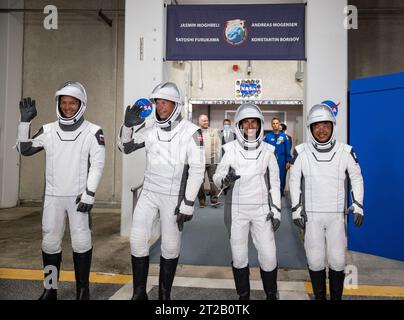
x=251, y=200
x=319, y=181
x=175, y=165
x=75, y=153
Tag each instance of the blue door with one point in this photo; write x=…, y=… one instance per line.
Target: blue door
x=376, y=131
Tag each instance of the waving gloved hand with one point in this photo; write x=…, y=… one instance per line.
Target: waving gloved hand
x=276, y=222
x=184, y=213
x=132, y=116
x=358, y=215
x=229, y=179
x=27, y=109
x=299, y=217
x=85, y=202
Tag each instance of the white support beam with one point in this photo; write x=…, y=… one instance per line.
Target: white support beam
x=144, y=69
x=326, y=69
x=11, y=57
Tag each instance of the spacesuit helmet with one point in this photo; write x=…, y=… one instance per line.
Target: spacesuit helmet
x=168, y=91
x=76, y=90
x=245, y=111
x=321, y=113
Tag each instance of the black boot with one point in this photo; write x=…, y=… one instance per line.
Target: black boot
x=51, y=260
x=242, y=280
x=319, y=285
x=166, y=278
x=140, y=270
x=336, y=284
x=82, y=265
x=269, y=283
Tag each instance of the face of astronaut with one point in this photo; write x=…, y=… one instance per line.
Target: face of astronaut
x=250, y=126
x=164, y=108
x=276, y=125
x=69, y=106
x=322, y=131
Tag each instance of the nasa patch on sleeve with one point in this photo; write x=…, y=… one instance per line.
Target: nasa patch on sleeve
x=100, y=137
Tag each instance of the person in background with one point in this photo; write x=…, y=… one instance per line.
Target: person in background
x=213, y=147
x=227, y=133
x=280, y=141
x=284, y=128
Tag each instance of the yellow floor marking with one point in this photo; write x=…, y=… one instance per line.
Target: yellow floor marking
x=366, y=290
x=107, y=278
x=95, y=277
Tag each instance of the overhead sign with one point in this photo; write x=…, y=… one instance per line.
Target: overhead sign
x=236, y=32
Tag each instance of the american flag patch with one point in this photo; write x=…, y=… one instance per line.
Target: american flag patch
x=100, y=137
x=198, y=138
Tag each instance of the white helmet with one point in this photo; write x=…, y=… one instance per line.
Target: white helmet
x=76, y=90
x=168, y=91
x=245, y=111
x=320, y=113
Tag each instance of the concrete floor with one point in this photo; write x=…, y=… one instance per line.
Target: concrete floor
x=20, y=242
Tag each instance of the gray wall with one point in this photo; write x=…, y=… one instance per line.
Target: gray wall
x=376, y=47
x=85, y=49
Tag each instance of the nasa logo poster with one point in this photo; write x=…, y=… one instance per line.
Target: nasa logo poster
x=248, y=89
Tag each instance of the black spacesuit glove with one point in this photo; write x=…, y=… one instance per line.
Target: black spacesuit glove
x=358, y=218
x=181, y=218
x=275, y=222
x=82, y=206
x=229, y=179
x=27, y=109
x=300, y=218
x=132, y=116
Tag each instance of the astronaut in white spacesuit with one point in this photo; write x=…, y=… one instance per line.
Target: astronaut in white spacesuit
x=249, y=174
x=174, y=172
x=75, y=154
x=321, y=172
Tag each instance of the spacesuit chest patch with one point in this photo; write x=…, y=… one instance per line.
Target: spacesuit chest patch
x=100, y=137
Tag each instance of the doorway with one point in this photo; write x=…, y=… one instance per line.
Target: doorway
x=209, y=220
